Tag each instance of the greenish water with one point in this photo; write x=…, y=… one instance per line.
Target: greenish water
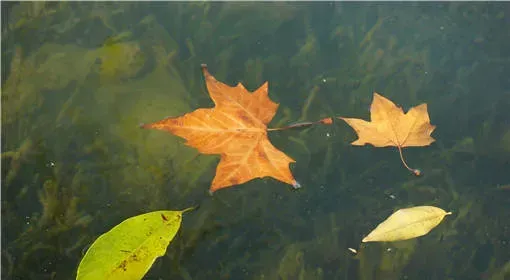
x=79, y=78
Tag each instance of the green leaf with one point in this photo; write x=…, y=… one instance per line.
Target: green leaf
x=129, y=249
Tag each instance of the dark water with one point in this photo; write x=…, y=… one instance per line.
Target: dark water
x=78, y=79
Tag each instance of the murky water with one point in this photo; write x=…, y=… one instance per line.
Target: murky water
x=79, y=78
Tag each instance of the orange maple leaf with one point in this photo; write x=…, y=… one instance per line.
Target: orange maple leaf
x=389, y=126
x=236, y=129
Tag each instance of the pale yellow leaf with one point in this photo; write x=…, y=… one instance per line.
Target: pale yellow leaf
x=407, y=223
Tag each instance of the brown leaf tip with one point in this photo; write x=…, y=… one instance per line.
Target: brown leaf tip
x=296, y=185
x=206, y=73
x=204, y=69
x=327, y=121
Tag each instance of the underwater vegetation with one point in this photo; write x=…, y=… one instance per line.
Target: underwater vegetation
x=79, y=77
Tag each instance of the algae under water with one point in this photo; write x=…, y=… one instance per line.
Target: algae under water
x=79, y=77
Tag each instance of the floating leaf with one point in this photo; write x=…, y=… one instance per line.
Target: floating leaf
x=129, y=249
x=389, y=126
x=236, y=129
x=407, y=223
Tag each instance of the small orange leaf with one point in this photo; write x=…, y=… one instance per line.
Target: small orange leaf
x=389, y=126
x=236, y=128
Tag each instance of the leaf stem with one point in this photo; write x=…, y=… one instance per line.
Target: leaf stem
x=190, y=208
x=416, y=172
x=302, y=124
